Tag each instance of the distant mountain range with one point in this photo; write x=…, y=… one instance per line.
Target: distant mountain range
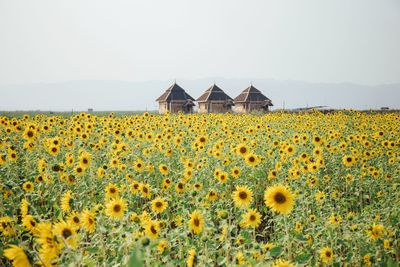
x=129, y=96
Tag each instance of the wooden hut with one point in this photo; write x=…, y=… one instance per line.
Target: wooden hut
x=251, y=99
x=214, y=100
x=175, y=99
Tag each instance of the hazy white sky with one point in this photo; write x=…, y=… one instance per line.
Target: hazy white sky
x=312, y=40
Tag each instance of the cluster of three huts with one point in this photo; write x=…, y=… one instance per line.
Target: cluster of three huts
x=213, y=100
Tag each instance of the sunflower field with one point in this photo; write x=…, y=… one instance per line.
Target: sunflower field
x=278, y=189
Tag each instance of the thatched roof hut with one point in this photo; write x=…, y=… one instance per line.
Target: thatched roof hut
x=175, y=99
x=251, y=99
x=215, y=100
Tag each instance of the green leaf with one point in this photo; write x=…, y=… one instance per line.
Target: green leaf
x=275, y=251
x=93, y=249
x=134, y=260
x=301, y=238
x=349, y=256
x=89, y=262
x=391, y=263
x=302, y=258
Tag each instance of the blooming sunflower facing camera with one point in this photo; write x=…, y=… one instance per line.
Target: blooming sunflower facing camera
x=279, y=198
x=242, y=196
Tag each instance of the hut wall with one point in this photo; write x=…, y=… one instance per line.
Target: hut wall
x=213, y=107
x=177, y=106
x=240, y=108
x=162, y=107
x=218, y=107
x=202, y=108
x=247, y=107
x=255, y=106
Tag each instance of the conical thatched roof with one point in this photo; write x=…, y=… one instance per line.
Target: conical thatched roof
x=252, y=94
x=214, y=93
x=174, y=92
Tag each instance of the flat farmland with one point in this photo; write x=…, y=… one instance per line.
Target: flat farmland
x=277, y=189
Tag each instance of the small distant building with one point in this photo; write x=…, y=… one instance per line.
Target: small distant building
x=251, y=99
x=214, y=100
x=90, y=110
x=175, y=99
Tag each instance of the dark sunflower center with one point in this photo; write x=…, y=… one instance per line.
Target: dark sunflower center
x=349, y=159
x=196, y=222
x=30, y=134
x=328, y=254
x=112, y=190
x=85, y=161
x=158, y=204
x=242, y=195
x=252, y=159
x=145, y=189
x=153, y=230
x=117, y=208
x=280, y=198
x=54, y=149
x=252, y=217
x=243, y=150
x=76, y=219
x=66, y=233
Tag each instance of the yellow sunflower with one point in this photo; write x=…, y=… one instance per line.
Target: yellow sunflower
x=326, y=254
x=242, y=150
x=191, y=259
x=348, y=161
x=375, y=231
x=251, y=160
x=116, y=208
x=151, y=229
x=30, y=223
x=223, y=177
x=88, y=220
x=163, y=169
x=145, y=190
x=65, y=201
x=24, y=207
x=17, y=256
x=74, y=220
x=251, y=219
x=196, y=222
x=67, y=233
x=242, y=196
x=112, y=191
x=28, y=187
x=283, y=263
x=279, y=198
x=158, y=205
x=235, y=171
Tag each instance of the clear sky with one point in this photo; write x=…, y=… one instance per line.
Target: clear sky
x=337, y=41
